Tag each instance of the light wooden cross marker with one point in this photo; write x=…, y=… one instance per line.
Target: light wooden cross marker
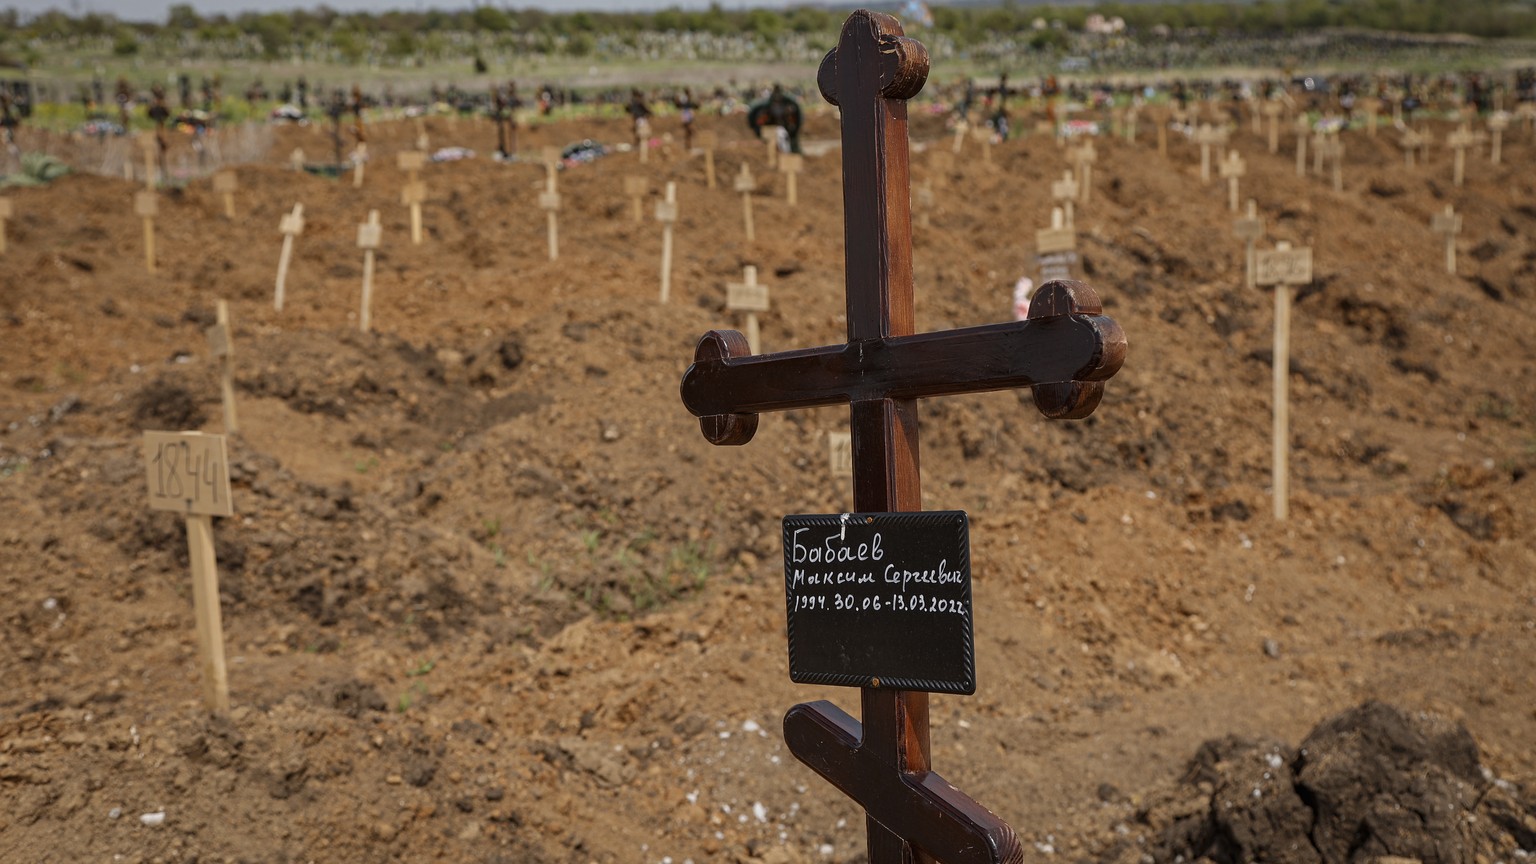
x=422, y=141
x=1372, y=107
x=1526, y=113
x=188, y=473
x=414, y=191
x=666, y=214
x=7, y=213
x=1459, y=141
x=643, y=134
x=745, y=184
x=884, y=762
x=840, y=454
x=146, y=204
x=1447, y=223
x=771, y=137
x=635, y=188
x=290, y=226
x=222, y=346
x=368, y=235
x=1064, y=192
x=296, y=159
x=1082, y=158
x=1205, y=136
x=549, y=200
x=1497, y=123
x=1333, y=153
x=1232, y=170
x=1303, y=127
x=1410, y=144
x=1056, y=247
x=791, y=164
x=708, y=141
x=359, y=159
x=748, y=297
x=1249, y=229
x=224, y=185
x=1284, y=268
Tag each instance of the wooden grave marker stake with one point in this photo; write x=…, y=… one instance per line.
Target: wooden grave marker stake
x=1319, y=139
x=1065, y=350
x=146, y=204
x=224, y=185
x=790, y=164
x=1249, y=229
x=368, y=235
x=1284, y=268
x=961, y=128
x=750, y=298
x=635, y=188
x=290, y=226
x=549, y=201
x=1459, y=141
x=7, y=213
x=151, y=147
x=1205, y=136
x=221, y=345
x=1447, y=223
x=1496, y=126
x=771, y=136
x=745, y=184
x=1303, y=126
x=296, y=159
x=1372, y=108
x=709, y=141
x=188, y=473
x=840, y=454
x=1232, y=170
x=1064, y=192
x=1410, y=144
x=1336, y=158
x=359, y=158
x=414, y=193
x=1083, y=158
x=1272, y=112
x=666, y=214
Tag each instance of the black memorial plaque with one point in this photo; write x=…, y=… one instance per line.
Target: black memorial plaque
x=880, y=600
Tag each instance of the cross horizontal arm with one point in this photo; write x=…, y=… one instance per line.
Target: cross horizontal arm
x=970, y=360
x=921, y=807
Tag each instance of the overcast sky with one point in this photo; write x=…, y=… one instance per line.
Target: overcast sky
x=154, y=10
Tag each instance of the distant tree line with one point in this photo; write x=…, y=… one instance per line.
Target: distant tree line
x=395, y=36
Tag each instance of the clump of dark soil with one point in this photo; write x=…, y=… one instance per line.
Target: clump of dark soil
x=168, y=406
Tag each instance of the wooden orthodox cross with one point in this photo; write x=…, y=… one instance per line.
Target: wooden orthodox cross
x=1232, y=170
x=1065, y=350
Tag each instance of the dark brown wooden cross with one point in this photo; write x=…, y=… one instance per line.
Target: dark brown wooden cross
x=1065, y=350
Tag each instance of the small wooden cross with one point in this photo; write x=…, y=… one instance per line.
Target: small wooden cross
x=1249, y=229
x=222, y=346
x=146, y=205
x=748, y=297
x=1205, y=136
x=745, y=184
x=635, y=188
x=1459, y=141
x=224, y=185
x=1083, y=158
x=7, y=213
x=1064, y=192
x=791, y=164
x=296, y=159
x=1497, y=123
x=290, y=226
x=708, y=141
x=1284, y=268
x=1410, y=144
x=1065, y=351
x=1232, y=170
x=666, y=214
x=1447, y=223
x=368, y=236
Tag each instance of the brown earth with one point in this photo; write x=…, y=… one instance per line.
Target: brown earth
x=489, y=595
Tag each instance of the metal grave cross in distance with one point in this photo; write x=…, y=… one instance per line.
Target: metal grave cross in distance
x=1065, y=351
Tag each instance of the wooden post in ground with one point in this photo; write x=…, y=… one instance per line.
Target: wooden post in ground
x=296, y=159
x=1336, y=157
x=7, y=213
x=1205, y=136
x=709, y=141
x=1083, y=158
x=748, y=298
x=885, y=762
x=1459, y=141
x=1272, y=112
x=745, y=184
x=1284, y=268
x=1372, y=108
x=359, y=159
x=1162, y=134
x=1303, y=126
x=188, y=473
x=151, y=147
x=221, y=345
x=1249, y=229
x=1496, y=126
x=146, y=204
x=771, y=136
x=635, y=188
x=790, y=164
x=1410, y=144
x=368, y=235
x=549, y=201
x=1447, y=224
x=224, y=185
x=291, y=225
x=1232, y=170
x=1064, y=193
x=666, y=214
